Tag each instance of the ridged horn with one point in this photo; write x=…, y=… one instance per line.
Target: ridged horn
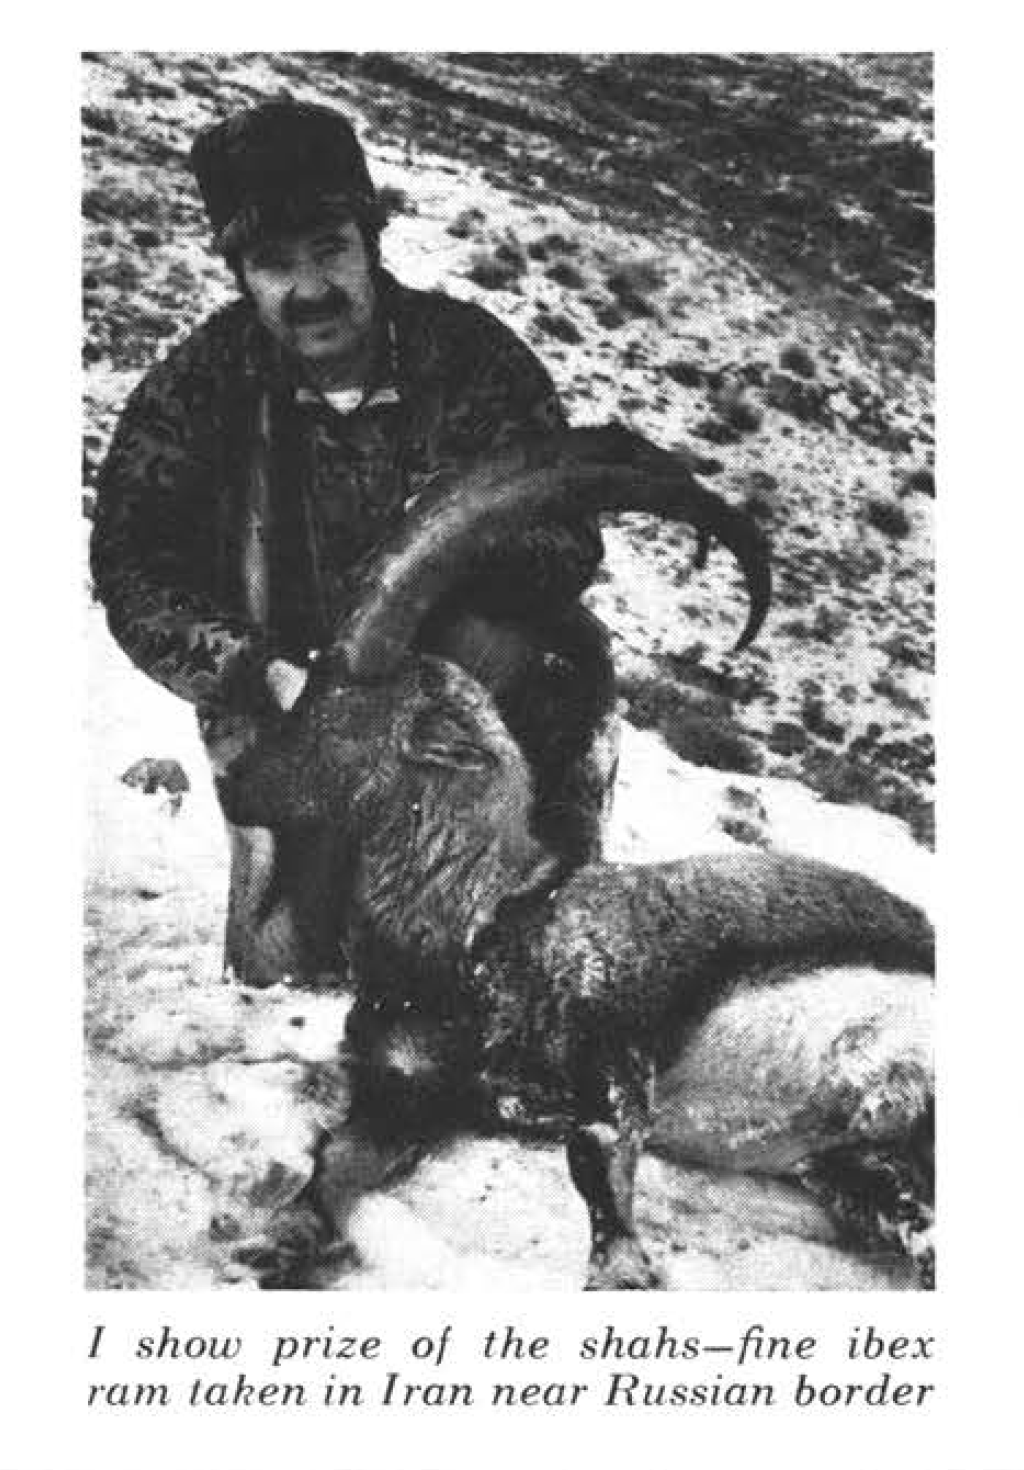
x=471, y=513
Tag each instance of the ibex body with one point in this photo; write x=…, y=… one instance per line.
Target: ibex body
x=490, y=983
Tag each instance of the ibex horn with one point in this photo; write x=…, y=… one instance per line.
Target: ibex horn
x=466, y=517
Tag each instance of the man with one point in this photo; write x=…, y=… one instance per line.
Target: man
x=280, y=442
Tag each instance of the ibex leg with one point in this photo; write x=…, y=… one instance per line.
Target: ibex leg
x=604, y=1151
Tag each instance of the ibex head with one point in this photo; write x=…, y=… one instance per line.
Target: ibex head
x=409, y=757
x=423, y=778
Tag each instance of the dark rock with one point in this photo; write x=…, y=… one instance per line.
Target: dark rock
x=558, y=325
x=887, y=516
x=687, y=374
x=891, y=689
x=634, y=282
x=511, y=253
x=564, y=273
x=100, y=119
x=395, y=201
x=466, y=223
x=874, y=427
x=762, y=480
x=901, y=648
x=736, y=408
x=717, y=432
x=492, y=275
x=550, y=244
x=153, y=773
x=610, y=315
x=807, y=402
x=748, y=802
x=703, y=464
x=786, y=738
x=742, y=830
x=500, y=268
x=919, y=482
x=709, y=740
x=820, y=723
x=796, y=359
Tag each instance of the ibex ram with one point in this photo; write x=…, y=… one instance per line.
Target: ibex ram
x=758, y=1011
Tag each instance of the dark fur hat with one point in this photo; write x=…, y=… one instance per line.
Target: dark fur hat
x=282, y=166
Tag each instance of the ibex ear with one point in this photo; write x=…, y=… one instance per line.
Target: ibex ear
x=439, y=734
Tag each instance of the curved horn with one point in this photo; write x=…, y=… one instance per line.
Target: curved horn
x=470, y=514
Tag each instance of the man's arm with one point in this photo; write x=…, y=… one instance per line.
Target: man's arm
x=502, y=392
x=157, y=536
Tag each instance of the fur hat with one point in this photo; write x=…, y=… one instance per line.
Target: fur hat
x=282, y=166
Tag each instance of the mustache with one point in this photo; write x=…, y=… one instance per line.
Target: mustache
x=302, y=313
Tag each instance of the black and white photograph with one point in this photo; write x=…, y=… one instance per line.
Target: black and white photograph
x=508, y=493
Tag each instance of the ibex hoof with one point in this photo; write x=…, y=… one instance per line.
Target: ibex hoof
x=623, y=1266
x=291, y=1254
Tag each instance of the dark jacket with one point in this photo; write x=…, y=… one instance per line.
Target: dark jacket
x=174, y=493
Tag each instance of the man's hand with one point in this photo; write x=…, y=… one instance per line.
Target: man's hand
x=285, y=681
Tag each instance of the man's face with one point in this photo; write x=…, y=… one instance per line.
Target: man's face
x=313, y=290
